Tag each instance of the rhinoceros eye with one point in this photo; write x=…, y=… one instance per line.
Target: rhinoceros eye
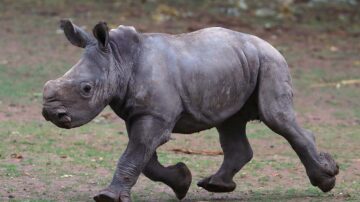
x=86, y=88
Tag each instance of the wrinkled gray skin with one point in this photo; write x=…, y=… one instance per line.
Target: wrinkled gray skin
x=161, y=83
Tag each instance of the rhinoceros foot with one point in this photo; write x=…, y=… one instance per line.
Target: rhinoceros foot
x=324, y=178
x=183, y=180
x=215, y=184
x=107, y=195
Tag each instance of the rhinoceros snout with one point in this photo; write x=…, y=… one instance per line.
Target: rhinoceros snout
x=59, y=116
x=49, y=90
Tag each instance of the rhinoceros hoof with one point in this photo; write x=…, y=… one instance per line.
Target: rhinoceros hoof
x=182, y=185
x=213, y=184
x=108, y=196
x=324, y=178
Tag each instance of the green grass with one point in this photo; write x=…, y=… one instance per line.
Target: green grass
x=30, y=88
x=10, y=170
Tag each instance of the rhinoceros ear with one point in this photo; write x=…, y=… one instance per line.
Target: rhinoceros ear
x=101, y=33
x=75, y=34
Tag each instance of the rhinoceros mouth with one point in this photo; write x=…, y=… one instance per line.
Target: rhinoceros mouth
x=66, y=125
x=58, y=116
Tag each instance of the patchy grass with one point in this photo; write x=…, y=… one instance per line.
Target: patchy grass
x=81, y=161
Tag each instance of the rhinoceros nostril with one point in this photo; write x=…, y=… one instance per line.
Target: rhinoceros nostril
x=61, y=115
x=64, y=117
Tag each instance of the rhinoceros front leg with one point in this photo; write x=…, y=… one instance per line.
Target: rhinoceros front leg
x=145, y=135
x=177, y=176
x=237, y=152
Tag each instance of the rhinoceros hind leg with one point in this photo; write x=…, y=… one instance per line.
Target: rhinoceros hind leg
x=276, y=111
x=177, y=177
x=237, y=152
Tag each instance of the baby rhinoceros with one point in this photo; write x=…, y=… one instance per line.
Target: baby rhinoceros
x=161, y=83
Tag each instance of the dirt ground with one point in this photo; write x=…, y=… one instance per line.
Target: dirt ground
x=39, y=162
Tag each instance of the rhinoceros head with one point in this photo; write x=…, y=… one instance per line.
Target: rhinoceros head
x=82, y=93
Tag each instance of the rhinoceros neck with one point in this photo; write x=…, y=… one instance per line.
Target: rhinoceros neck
x=126, y=55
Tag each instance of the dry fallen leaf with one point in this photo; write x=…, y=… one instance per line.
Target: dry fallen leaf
x=66, y=176
x=333, y=48
x=106, y=115
x=16, y=156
